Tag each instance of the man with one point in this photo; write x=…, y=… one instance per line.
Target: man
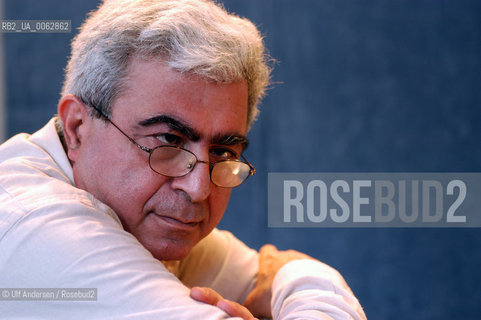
x=123, y=191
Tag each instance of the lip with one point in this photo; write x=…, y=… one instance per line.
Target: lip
x=176, y=223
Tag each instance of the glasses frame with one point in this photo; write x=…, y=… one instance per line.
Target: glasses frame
x=252, y=170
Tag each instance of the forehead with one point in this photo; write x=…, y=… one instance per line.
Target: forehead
x=153, y=89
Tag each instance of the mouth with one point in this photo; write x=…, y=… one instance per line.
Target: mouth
x=177, y=223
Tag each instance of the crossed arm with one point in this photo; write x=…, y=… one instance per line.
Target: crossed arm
x=258, y=303
x=337, y=301
x=132, y=284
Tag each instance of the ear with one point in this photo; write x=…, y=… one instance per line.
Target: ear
x=75, y=119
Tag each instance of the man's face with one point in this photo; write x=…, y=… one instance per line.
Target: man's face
x=161, y=106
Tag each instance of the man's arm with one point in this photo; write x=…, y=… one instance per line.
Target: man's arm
x=270, y=261
x=232, y=308
x=292, y=285
x=66, y=244
x=308, y=289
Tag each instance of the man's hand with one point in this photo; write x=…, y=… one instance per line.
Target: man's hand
x=270, y=261
x=210, y=296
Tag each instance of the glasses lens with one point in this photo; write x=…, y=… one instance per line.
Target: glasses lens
x=172, y=161
x=229, y=174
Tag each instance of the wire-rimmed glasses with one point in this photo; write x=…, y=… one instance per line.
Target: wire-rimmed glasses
x=175, y=162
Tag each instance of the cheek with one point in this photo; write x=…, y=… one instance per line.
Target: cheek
x=218, y=204
x=134, y=187
x=127, y=183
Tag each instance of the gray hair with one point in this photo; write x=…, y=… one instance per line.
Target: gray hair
x=194, y=36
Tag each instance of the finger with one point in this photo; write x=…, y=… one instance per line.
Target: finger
x=234, y=309
x=258, y=302
x=267, y=253
x=268, y=249
x=205, y=295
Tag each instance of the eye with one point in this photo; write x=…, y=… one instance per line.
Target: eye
x=169, y=139
x=218, y=154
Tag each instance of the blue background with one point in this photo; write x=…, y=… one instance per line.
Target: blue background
x=359, y=86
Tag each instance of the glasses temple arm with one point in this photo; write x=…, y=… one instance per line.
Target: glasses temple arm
x=121, y=131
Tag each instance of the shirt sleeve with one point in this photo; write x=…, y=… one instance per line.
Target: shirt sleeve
x=71, y=244
x=302, y=289
x=309, y=289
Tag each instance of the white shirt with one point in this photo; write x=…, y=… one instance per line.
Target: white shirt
x=54, y=235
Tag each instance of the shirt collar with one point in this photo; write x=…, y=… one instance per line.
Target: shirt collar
x=49, y=140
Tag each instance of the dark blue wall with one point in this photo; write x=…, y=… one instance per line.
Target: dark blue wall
x=359, y=86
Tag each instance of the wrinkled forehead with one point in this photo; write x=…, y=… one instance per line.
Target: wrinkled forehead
x=153, y=90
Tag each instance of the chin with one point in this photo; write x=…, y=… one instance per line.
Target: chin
x=170, y=250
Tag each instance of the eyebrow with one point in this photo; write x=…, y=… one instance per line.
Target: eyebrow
x=173, y=124
x=229, y=139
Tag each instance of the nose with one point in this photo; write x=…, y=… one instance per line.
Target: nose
x=196, y=184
